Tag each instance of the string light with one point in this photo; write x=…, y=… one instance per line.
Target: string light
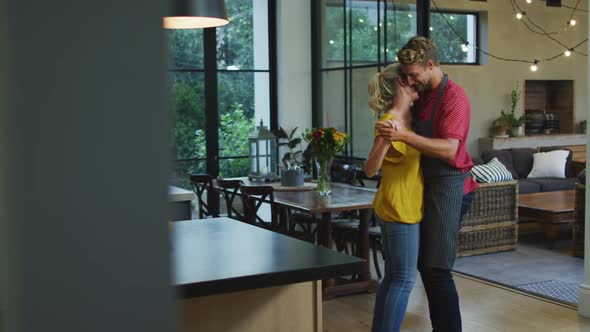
x=529, y=1
x=534, y=67
x=464, y=47
x=520, y=15
x=542, y=31
x=571, y=21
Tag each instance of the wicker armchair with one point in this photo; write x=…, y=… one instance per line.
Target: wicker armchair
x=491, y=224
x=579, y=214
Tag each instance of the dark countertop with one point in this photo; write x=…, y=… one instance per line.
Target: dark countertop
x=219, y=255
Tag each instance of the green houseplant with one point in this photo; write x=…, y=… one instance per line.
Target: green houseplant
x=292, y=170
x=501, y=125
x=515, y=123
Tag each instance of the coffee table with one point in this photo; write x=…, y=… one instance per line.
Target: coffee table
x=551, y=209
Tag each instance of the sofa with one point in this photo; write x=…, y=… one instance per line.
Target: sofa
x=519, y=162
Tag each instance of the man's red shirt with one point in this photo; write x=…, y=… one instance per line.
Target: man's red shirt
x=451, y=120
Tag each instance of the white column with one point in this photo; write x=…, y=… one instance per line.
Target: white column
x=294, y=63
x=584, y=296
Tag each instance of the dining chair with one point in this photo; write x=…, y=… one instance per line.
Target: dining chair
x=230, y=190
x=375, y=243
x=202, y=183
x=253, y=198
x=345, y=225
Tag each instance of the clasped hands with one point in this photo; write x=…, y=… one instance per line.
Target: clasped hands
x=390, y=130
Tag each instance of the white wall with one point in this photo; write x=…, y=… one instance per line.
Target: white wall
x=294, y=64
x=488, y=86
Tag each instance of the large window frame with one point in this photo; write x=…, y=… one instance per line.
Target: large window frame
x=212, y=74
x=473, y=39
x=349, y=73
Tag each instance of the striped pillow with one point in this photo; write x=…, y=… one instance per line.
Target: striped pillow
x=493, y=171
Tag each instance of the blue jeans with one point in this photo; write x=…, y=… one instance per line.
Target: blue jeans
x=400, y=250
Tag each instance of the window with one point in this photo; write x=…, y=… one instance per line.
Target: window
x=365, y=32
x=358, y=38
x=244, y=78
x=445, y=29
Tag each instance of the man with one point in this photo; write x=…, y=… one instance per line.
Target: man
x=441, y=125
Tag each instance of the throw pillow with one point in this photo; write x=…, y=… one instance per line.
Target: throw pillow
x=549, y=164
x=494, y=171
x=569, y=171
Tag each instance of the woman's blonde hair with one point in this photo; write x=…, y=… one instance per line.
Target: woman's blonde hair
x=383, y=88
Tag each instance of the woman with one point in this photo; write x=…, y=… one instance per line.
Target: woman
x=398, y=201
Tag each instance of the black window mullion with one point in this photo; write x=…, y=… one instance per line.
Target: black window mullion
x=272, y=63
x=423, y=19
x=385, y=55
x=211, y=100
x=211, y=111
x=316, y=81
x=378, y=31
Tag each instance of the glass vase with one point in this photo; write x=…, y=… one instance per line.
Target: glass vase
x=323, y=166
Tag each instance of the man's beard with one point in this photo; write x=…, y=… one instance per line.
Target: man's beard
x=423, y=87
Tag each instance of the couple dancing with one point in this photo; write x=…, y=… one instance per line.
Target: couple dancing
x=425, y=188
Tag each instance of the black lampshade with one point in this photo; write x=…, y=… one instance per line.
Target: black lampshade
x=193, y=14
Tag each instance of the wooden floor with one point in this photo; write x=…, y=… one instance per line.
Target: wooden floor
x=484, y=308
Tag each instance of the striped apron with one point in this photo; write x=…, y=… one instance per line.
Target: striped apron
x=443, y=195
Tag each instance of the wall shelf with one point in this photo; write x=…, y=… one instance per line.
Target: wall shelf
x=533, y=141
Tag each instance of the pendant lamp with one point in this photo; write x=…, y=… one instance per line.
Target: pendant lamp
x=195, y=14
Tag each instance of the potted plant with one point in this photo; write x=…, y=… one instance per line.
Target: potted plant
x=583, y=126
x=500, y=126
x=292, y=171
x=516, y=124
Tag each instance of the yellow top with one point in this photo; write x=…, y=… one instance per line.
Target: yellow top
x=399, y=197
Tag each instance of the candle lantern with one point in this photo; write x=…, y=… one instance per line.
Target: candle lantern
x=262, y=150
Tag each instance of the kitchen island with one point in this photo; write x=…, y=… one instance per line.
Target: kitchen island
x=231, y=276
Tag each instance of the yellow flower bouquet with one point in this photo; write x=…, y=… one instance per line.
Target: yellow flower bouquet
x=325, y=143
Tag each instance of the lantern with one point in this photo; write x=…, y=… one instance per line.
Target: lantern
x=262, y=150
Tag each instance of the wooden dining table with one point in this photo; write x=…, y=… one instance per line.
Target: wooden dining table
x=342, y=198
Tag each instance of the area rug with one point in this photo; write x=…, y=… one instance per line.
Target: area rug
x=554, y=289
x=532, y=268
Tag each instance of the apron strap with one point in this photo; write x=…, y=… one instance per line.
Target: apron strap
x=436, y=102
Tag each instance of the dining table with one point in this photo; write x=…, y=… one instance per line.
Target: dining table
x=343, y=197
